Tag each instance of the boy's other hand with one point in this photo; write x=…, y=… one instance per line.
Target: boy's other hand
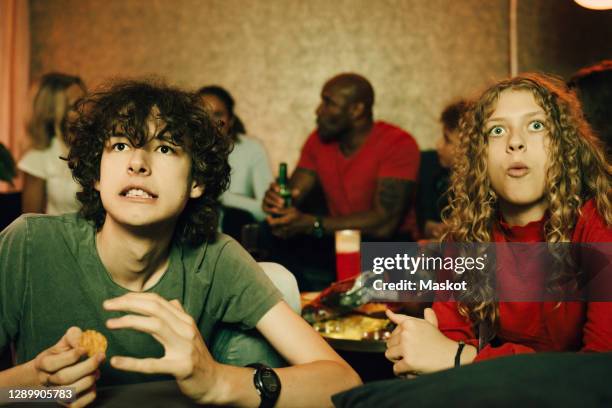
x=186, y=356
x=61, y=365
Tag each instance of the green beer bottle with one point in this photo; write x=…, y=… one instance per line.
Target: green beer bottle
x=283, y=184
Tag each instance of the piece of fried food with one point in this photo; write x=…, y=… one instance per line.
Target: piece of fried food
x=372, y=308
x=94, y=342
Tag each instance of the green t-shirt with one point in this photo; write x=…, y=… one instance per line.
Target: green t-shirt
x=51, y=278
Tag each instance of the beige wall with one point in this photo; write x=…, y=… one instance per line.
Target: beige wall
x=274, y=55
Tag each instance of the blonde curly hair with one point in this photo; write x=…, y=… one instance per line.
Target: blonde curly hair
x=578, y=171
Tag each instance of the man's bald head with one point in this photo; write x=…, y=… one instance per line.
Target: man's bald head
x=354, y=87
x=346, y=106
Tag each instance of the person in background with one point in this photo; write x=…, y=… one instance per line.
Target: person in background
x=528, y=169
x=48, y=185
x=251, y=174
x=435, y=171
x=367, y=172
x=367, y=169
x=143, y=264
x=593, y=84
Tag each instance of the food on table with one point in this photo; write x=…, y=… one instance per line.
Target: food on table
x=372, y=308
x=355, y=327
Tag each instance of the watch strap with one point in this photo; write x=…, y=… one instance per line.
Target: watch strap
x=460, y=347
x=267, y=384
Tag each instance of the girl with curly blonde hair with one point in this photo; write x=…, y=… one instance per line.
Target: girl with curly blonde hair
x=529, y=169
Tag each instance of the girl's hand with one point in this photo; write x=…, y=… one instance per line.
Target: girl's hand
x=416, y=346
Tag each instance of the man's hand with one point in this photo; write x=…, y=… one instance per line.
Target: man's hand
x=289, y=222
x=272, y=201
x=186, y=356
x=61, y=365
x=416, y=346
x=285, y=222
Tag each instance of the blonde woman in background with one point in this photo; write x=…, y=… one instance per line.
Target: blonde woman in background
x=48, y=184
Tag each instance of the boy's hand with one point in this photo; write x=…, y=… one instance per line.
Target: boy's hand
x=61, y=365
x=417, y=346
x=186, y=356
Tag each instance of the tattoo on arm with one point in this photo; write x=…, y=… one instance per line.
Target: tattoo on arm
x=394, y=195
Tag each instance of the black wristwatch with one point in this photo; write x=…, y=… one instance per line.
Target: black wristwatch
x=267, y=384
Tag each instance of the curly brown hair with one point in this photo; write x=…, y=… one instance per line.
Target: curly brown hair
x=578, y=171
x=127, y=105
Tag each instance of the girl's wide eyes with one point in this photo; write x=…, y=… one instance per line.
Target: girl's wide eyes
x=536, y=126
x=533, y=126
x=496, y=131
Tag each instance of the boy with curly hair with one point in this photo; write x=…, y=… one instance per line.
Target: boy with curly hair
x=143, y=254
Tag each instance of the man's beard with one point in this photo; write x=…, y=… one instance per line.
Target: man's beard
x=329, y=133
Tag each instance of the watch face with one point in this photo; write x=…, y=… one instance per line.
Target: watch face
x=270, y=381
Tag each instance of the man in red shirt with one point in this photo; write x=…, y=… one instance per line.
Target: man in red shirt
x=367, y=170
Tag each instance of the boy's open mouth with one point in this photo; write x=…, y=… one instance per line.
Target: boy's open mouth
x=136, y=192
